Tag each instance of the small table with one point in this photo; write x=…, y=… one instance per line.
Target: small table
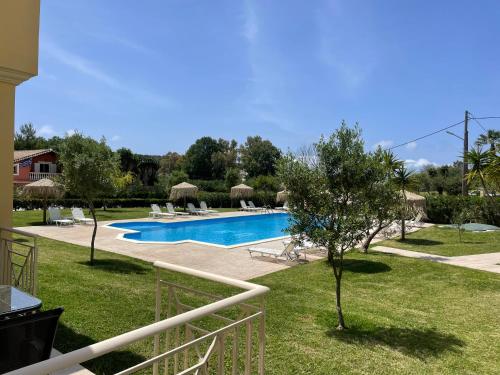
x=14, y=301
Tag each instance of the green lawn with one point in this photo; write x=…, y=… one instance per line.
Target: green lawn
x=405, y=316
x=26, y=218
x=445, y=241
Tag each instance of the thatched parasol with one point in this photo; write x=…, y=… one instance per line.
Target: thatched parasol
x=43, y=189
x=241, y=191
x=183, y=191
x=282, y=196
x=415, y=200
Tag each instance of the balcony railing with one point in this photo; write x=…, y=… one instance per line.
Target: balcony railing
x=20, y=256
x=222, y=334
x=35, y=176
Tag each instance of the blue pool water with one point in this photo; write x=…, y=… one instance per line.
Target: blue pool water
x=228, y=231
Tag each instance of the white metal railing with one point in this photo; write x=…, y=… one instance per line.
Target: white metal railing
x=19, y=253
x=35, y=176
x=188, y=339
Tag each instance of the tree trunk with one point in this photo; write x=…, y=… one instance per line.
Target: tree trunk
x=92, y=212
x=403, y=229
x=338, y=305
x=370, y=237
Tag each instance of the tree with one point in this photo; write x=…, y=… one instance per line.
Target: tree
x=491, y=138
x=26, y=138
x=259, y=157
x=90, y=171
x=170, y=162
x=403, y=179
x=232, y=177
x=327, y=192
x=382, y=198
x=481, y=170
x=147, y=171
x=198, y=159
x=128, y=160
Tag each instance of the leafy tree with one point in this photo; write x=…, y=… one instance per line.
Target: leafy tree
x=90, y=171
x=170, y=162
x=259, y=157
x=176, y=177
x=327, y=195
x=232, y=177
x=147, y=171
x=266, y=183
x=198, y=159
x=491, y=138
x=26, y=138
x=128, y=160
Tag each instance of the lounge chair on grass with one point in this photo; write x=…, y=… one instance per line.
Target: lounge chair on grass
x=196, y=211
x=157, y=213
x=289, y=252
x=244, y=207
x=79, y=217
x=284, y=208
x=171, y=210
x=56, y=218
x=252, y=206
x=204, y=207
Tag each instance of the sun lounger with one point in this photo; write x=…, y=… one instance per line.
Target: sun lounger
x=56, y=218
x=196, y=211
x=204, y=207
x=289, y=252
x=244, y=206
x=284, y=208
x=252, y=206
x=79, y=217
x=157, y=213
x=171, y=210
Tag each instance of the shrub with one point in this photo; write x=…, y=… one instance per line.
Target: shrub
x=441, y=208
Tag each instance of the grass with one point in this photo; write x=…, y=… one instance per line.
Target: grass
x=445, y=241
x=35, y=217
x=405, y=316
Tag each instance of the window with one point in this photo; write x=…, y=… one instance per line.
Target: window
x=44, y=167
x=16, y=169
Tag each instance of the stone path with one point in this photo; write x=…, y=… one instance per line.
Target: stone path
x=485, y=262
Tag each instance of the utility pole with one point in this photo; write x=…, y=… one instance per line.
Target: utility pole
x=465, y=169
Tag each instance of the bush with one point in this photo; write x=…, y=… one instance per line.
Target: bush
x=441, y=208
x=210, y=185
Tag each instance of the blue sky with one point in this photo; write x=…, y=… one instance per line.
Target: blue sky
x=156, y=75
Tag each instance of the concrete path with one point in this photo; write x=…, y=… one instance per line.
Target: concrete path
x=485, y=262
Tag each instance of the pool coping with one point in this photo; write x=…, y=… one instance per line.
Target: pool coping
x=121, y=236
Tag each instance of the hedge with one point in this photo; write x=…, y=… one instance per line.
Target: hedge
x=213, y=199
x=440, y=208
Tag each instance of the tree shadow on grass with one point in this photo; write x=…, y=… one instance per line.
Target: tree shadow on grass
x=68, y=340
x=117, y=266
x=365, y=266
x=419, y=343
x=420, y=242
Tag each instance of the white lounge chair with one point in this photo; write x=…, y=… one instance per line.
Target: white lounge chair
x=289, y=252
x=284, y=208
x=56, y=218
x=252, y=206
x=157, y=213
x=171, y=210
x=79, y=217
x=416, y=222
x=244, y=206
x=196, y=211
x=204, y=207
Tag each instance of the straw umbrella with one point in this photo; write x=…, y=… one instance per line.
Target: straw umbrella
x=415, y=200
x=43, y=189
x=183, y=191
x=282, y=196
x=241, y=191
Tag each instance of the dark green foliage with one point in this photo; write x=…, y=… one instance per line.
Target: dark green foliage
x=440, y=209
x=265, y=183
x=259, y=157
x=443, y=179
x=209, y=158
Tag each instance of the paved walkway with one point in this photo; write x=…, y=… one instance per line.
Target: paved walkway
x=485, y=262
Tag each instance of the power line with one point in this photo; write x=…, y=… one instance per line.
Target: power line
x=428, y=135
x=476, y=120
x=484, y=118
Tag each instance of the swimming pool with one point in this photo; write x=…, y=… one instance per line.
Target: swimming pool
x=223, y=232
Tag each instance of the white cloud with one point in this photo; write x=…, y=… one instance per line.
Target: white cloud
x=70, y=132
x=115, y=138
x=385, y=143
x=419, y=163
x=411, y=146
x=46, y=131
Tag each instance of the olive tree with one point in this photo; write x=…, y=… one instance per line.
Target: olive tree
x=90, y=169
x=327, y=197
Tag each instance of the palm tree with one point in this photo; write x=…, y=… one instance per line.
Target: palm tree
x=491, y=138
x=482, y=167
x=403, y=178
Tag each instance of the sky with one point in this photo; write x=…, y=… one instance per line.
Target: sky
x=155, y=75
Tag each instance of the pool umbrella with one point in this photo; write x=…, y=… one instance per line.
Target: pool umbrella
x=415, y=200
x=183, y=191
x=241, y=191
x=282, y=196
x=43, y=189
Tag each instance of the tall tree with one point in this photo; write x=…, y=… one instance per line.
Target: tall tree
x=26, y=138
x=490, y=138
x=403, y=178
x=170, y=162
x=198, y=159
x=259, y=157
x=327, y=196
x=90, y=171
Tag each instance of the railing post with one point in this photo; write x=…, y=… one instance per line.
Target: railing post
x=157, y=318
x=262, y=336
x=248, y=349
